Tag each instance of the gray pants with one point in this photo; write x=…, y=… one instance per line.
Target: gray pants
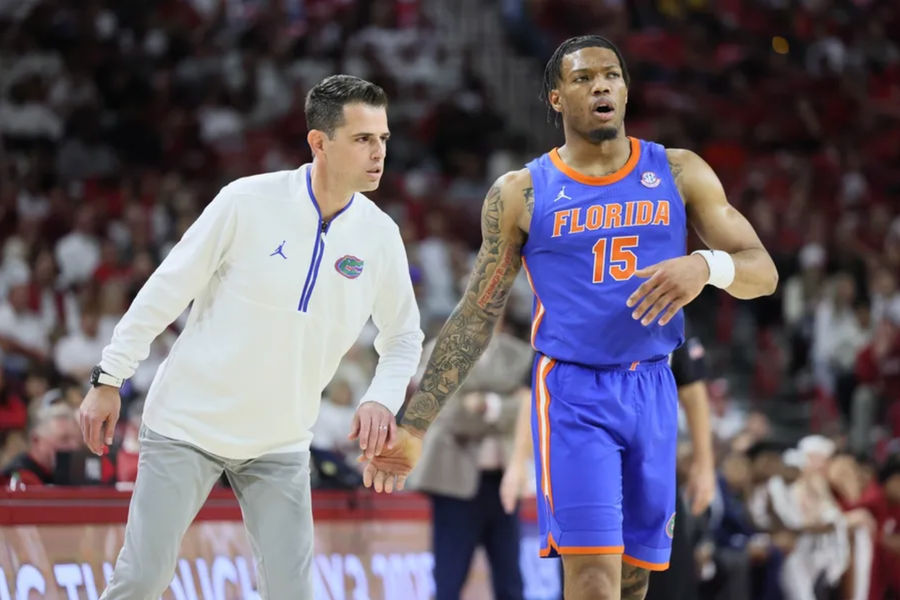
x=174, y=479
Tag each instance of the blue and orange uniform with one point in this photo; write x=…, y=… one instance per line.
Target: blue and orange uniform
x=605, y=403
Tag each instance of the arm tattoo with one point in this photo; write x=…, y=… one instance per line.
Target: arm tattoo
x=634, y=582
x=491, y=256
x=676, y=171
x=468, y=331
x=529, y=200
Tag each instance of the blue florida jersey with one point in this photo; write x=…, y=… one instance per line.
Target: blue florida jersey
x=588, y=236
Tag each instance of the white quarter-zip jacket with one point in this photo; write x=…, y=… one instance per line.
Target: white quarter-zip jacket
x=279, y=296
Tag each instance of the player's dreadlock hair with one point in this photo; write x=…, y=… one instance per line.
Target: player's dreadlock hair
x=552, y=72
x=325, y=102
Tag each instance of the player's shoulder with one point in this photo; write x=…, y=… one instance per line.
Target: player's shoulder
x=273, y=185
x=684, y=158
x=513, y=180
x=514, y=185
x=692, y=174
x=512, y=195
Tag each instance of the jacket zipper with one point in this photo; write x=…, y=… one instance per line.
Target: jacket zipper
x=318, y=249
x=314, y=263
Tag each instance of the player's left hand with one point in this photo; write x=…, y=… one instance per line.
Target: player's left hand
x=388, y=470
x=670, y=285
x=375, y=427
x=701, y=485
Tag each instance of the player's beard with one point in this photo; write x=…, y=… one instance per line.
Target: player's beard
x=602, y=134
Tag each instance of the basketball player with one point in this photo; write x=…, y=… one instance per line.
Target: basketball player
x=284, y=269
x=600, y=226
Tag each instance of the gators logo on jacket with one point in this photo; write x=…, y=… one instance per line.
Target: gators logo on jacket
x=349, y=266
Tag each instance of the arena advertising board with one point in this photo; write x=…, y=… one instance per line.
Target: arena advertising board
x=355, y=560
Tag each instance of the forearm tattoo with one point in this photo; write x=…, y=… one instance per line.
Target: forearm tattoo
x=468, y=331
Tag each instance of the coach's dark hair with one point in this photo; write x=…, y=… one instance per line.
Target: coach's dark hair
x=553, y=70
x=325, y=101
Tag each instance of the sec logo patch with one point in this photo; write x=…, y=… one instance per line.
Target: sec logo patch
x=649, y=179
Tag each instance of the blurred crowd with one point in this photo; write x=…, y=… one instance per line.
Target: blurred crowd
x=120, y=121
x=805, y=522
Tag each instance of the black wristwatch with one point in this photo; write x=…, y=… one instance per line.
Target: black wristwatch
x=101, y=377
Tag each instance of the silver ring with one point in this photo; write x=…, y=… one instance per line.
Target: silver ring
x=384, y=426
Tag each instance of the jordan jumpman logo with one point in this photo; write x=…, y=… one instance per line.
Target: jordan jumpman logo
x=562, y=194
x=280, y=250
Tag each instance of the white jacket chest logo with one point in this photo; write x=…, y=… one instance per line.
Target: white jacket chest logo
x=279, y=251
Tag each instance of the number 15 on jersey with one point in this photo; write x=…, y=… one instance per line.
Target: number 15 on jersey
x=621, y=262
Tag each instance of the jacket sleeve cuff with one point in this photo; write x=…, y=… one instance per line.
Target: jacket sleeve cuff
x=390, y=396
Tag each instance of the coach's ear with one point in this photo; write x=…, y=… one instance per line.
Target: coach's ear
x=316, y=140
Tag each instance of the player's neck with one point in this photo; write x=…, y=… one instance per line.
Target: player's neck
x=328, y=192
x=596, y=159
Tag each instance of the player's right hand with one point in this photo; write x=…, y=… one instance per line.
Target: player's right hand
x=389, y=470
x=98, y=414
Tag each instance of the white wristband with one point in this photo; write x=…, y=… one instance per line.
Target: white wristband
x=721, y=267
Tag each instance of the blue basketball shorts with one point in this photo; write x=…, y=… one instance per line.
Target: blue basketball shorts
x=605, y=442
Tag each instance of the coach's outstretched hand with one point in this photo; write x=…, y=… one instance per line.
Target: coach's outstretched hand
x=388, y=470
x=375, y=427
x=670, y=285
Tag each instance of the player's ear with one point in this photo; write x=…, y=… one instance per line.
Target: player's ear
x=553, y=98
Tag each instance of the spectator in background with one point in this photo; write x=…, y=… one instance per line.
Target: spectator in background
x=36, y=384
x=54, y=429
x=24, y=333
x=439, y=286
x=78, y=252
x=43, y=294
x=852, y=492
x=878, y=371
x=744, y=563
x=462, y=465
x=77, y=353
x=13, y=410
x=333, y=454
x=14, y=268
x=773, y=515
x=842, y=329
x=801, y=294
x=823, y=548
x=336, y=413
x=67, y=391
x=884, y=293
x=885, y=506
